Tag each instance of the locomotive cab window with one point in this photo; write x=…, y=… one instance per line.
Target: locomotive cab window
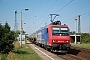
x=57, y=31
x=47, y=30
x=64, y=29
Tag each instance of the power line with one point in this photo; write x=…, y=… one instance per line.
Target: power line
x=38, y=8
x=43, y=21
x=53, y=4
x=37, y=4
x=85, y=13
x=42, y=5
x=47, y=10
x=76, y=16
x=64, y=6
x=50, y=6
x=70, y=19
x=80, y=14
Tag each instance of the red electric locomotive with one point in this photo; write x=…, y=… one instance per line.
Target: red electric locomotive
x=54, y=37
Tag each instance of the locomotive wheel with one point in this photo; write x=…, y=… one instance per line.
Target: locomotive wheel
x=46, y=48
x=51, y=49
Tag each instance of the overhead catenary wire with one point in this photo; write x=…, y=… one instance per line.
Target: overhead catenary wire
x=37, y=5
x=60, y=9
x=64, y=6
x=50, y=7
x=32, y=14
x=67, y=19
x=85, y=13
x=75, y=17
x=41, y=6
x=47, y=10
x=38, y=9
x=80, y=14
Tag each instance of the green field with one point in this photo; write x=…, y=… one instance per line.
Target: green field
x=83, y=45
x=24, y=53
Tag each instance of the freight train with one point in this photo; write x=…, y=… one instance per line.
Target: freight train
x=54, y=37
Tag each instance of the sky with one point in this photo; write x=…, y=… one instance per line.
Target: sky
x=39, y=12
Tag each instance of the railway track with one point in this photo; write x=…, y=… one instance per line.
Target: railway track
x=74, y=53
x=70, y=57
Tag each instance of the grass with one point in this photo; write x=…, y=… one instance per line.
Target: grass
x=83, y=45
x=3, y=56
x=24, y=53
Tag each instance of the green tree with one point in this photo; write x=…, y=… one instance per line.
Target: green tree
x=85, y=38
x=6, y=38
x=18, y=32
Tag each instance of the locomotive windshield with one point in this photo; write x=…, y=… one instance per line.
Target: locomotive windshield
x=60, y=31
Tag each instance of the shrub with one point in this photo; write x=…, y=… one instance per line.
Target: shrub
x=85, y=38
x=16, y=45
x=10, y=56
x=6, y=38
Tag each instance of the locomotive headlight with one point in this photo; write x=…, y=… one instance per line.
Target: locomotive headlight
x=66, y=41
x=54, y=40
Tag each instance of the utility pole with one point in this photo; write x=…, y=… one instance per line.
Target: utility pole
x=54, y=17
x=79, y=28
x=75, y=25
x=15, y=26
x=76, y=30
x=21, y=26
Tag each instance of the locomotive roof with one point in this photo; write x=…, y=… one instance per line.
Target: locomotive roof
x=58, y=25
